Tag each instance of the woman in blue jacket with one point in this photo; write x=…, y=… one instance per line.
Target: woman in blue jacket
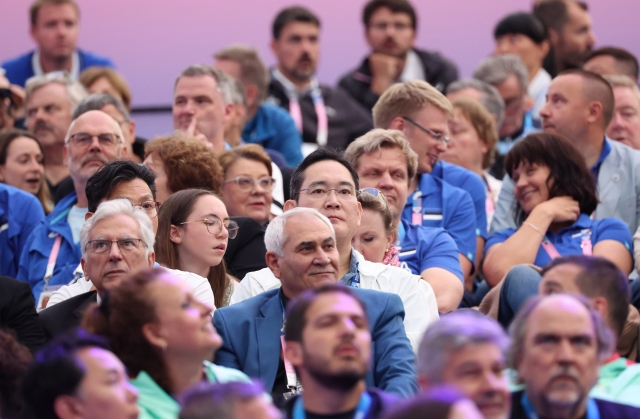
x=556, y=195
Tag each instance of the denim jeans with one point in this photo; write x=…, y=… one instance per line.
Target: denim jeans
x=520, y=283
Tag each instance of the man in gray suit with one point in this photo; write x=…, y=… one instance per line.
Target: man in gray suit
x=579, y=106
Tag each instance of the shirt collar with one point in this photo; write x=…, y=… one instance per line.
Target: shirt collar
x=353, y=270
x=606, y=149
x=75, y=65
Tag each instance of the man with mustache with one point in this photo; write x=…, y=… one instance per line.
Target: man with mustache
x=324, y=115
x=328, y=343
x=390, y=31
x=302, y=253
x=52, y=251
x=50, y=103
x=467, y=350
x=558, y=345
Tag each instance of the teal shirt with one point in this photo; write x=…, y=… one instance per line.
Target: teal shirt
x=155, y=403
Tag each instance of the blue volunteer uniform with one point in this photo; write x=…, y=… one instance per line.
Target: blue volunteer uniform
x=470, y=183
x=427, y=247
x=436, y=203
x=35, y=254
x=20, y=213
x=569, y=240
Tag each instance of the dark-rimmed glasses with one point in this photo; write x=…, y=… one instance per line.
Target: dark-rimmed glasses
x=438, y=136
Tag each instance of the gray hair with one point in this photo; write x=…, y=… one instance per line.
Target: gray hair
x=112, y=208
x=97, y=101
x=222, y=80
x=497, y=69
x=274, y=237
x=623, y=81
x=489, y=96
x=518, y=330
x=452, y=333
x=75, y=91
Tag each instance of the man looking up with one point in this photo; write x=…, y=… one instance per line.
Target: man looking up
x=327, y=182
x=50, y=103
x=580, y=105
x=52, y=251
x=302, y=253
x=323, y=114
x=328, y=342
x=390, y=31
x=54, y=28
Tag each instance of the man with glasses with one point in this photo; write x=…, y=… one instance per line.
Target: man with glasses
x=50, y=102
x=52, y=251
x=327, y=182
x=390, y=31
x=116, y=242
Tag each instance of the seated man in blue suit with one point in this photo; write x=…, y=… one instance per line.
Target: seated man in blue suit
x=302, y=253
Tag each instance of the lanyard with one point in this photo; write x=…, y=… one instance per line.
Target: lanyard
x=361, y=410
x=585, y=245
x=592, y=408
x=292, y=379
x=294, y=106
x=53, y=256
x=416, y=207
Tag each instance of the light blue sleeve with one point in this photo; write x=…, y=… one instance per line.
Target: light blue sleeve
x=505, y=209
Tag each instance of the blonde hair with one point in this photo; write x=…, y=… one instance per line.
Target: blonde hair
x=405, y=99
x=376, y=140
x=484, y=124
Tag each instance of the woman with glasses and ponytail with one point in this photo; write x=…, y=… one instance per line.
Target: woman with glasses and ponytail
x=193, y=233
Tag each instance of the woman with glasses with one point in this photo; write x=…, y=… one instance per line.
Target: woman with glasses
x=378, y=231
x=22, y=165
x=163, y=335
x=193, y=232
x=248, y=183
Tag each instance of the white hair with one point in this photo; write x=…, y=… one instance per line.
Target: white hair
x=116, y=126
x=115, y=207
x=274, y=237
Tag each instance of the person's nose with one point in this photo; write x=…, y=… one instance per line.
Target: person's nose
x=114, y=252
x=565, y=353
x=332, y=201
x=205, y=309
x=95, y=144
x=385, y=182
x=592, y=39
x=132, y=392
x=544, y=111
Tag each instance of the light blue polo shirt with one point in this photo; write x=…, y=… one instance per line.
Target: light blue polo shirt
x=423, y=247
x=472, y=184
x=444, y=205
x=568, y=240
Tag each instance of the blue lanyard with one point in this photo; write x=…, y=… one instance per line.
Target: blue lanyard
x=361, y=411
x=402, y=232
x=592, y=408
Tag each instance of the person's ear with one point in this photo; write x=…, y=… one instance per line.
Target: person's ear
x=544, y=48
x=1, y=173
x=424, y=383
x=601, y=305
x=359, y=213
x=67, y=407
x=153, y=334
x=132, y=131
x=88, y=215
x=82, y=265
x=289, y=204
x=175, y=234
x=152, y=258
x=398, y=123
x=251, y=90
x=293, y=353
x=554, y=36
x=595, y=112
x=65, y=153
x=273, y=263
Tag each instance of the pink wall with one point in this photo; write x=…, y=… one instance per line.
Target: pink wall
x=151, y=41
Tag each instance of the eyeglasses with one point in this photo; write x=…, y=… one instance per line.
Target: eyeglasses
x=83, y=140
x=438, y=136
x=246, y=183
x=150, y=207
x=398, y=26
x=214, y=226
x=125, y=245
x=322, y=192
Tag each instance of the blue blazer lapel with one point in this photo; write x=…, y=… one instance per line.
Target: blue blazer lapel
x=268, y=326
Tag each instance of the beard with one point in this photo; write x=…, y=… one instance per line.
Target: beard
x=345, y=379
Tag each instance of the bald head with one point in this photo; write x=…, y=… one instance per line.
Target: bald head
x=92, y=118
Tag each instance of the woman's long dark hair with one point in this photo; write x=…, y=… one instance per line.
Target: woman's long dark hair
x=175, y=211
x=569, y=175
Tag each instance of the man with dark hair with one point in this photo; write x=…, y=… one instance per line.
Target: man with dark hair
x=580, y=105
x=568, y=27
x=328, y=344
x=54, y=28
x=390, y=31
x=324, y=115
x=77, y=377
x=558, y=345
x=612, y=61
x=302, y=254
x=233, y=400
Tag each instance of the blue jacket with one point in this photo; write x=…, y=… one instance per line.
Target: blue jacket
x=250, y=332
x=20, y=213
x=273, y=128
x=35, y=254
x=20, y=69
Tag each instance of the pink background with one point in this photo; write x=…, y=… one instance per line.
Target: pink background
x=151, y=41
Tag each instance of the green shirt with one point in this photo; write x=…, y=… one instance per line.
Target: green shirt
x=155, y=403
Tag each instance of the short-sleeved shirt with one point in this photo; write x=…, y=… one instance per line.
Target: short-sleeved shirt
x=470, y=183
x=443, y=205
x=568, y=241
x=423, y=247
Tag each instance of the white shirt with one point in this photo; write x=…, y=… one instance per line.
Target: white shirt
x=421, y=308
x=412, y=68
x=75, y=218
x=200, y=286
x=538, y=91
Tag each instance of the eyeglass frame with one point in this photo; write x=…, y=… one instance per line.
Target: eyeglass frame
x=438, y=136
x=233, y=231
x=254, y=182
x=354, y=192
x=108, y=249
x=92, y=136
x=157, y=206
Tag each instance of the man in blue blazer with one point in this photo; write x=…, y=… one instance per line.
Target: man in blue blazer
x=301, y=252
